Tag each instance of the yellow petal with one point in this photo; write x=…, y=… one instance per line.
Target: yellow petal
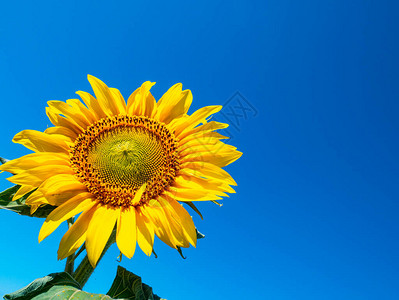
x=99, y=231
x=83, y=111
x=174, y=224
x=173, y=104
x=33, y=209
x=161, y=226
x=167, y=226
x=22, y=191
x=37, y=175
x=76, y=235
x=213, y=125
x=34, y=160
x=202, y=137
x=60, y=121
x=36, y=198
x=198, y=147
x=73, y=115
x=62, y=213
x=61, y=183
x=211, y=140
x=56, y=190
x=185, y=221
x=196, y=118
x=39, y=198
x=103, y=96
x=194, y=182
x=207, y=170
x=60, y=130
x=150, y=105
x=170, y=96
x=119, y=101
x=139, y=193
x=210, y=145
x=191, y=195
x=40, y=141
x=92, y=103
x=224, y=155
x=126, y=232
x=141, y=102
x=145, y=232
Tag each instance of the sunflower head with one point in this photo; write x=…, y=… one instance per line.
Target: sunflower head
x=123, y=166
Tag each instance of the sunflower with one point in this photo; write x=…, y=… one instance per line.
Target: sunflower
x=123, y=166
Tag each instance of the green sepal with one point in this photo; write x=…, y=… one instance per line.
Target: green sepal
x=127, y=285
x=3, y=160
x=199, y=234
x=19, y=205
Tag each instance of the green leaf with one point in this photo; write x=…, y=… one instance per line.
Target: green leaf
x=127, y=285
x=62, y=286
x=54, y=286
x=19, y=205
x=69, y=293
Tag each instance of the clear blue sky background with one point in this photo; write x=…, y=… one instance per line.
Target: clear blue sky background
x=316, y=210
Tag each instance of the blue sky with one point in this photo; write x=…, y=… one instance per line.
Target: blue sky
x=315, y=214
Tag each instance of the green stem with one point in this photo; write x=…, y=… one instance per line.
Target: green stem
x=80, y=251
x=84, y=270
x=69, y=266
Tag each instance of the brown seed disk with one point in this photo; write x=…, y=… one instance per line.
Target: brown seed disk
x=116, y=155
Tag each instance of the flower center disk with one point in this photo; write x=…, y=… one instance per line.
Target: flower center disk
x=126, y=156
x=115, y=156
